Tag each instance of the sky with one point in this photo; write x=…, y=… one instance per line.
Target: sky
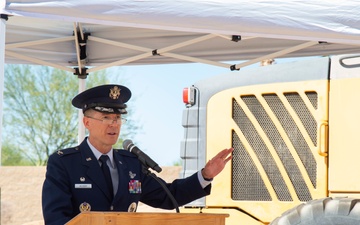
x=157, y=98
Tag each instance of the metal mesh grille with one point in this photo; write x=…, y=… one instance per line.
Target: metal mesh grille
x=304, y=114
x=246, y=179
x=296, y=137
x=247, y=183
x=313, y=97
x=264, y=156
x=298, y=143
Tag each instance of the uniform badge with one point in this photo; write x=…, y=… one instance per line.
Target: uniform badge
x=132, y=207
x=132, y=175
x=84, y=207
x=114, y=92
x=82, y=179
x=135, y=187
x=88, y=159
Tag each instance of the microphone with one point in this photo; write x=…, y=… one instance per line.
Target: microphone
x=144, y=159
x=149, y=163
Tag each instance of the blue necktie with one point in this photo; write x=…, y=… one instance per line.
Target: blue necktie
x=105, y=168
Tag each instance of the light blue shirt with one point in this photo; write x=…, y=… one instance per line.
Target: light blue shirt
x=110, y=163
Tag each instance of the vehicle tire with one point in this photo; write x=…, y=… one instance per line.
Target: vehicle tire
x=327, y=211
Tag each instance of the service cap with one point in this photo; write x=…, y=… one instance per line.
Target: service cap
x=110, y=98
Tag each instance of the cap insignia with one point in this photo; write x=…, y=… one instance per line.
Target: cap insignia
x=114, y=92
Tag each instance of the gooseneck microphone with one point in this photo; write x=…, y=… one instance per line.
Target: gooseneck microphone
x=143, y=158
x=149, y=163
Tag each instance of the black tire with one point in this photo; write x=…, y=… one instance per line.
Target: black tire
x=327, y=211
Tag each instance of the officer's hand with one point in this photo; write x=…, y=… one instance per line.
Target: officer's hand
x=217, y=164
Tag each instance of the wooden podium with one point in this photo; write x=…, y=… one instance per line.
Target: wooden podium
x=131, y=218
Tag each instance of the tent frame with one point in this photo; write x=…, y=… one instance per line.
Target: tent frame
x=80, y=38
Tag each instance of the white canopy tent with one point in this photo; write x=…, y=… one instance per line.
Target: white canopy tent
x=68, y=33
x=83, y=36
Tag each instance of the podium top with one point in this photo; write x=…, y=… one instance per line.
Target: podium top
x=126, y=218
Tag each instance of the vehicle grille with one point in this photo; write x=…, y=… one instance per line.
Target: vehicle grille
x=262, y=140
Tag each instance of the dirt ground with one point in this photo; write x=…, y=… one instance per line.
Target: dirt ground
x=20, y=194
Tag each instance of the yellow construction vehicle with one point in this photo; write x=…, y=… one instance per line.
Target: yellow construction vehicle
x=295, y=132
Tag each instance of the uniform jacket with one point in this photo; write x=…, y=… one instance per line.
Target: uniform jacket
x=74, y=179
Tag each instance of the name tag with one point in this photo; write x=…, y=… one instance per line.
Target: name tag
x=83, y=185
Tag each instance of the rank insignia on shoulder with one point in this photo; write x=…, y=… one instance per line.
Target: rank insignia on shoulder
x=60, y=152
x=84, y=207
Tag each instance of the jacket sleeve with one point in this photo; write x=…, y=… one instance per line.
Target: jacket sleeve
x=184, y=191
x=56, y=195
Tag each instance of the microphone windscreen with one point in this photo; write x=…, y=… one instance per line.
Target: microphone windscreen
x=126, y=144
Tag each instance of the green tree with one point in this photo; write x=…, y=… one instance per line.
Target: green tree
x=11, y=156
x=38, y=116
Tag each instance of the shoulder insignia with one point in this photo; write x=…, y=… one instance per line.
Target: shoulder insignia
x=60, y=152
x=67, y=151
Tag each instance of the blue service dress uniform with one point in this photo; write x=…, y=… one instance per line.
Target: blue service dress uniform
x=74, y=181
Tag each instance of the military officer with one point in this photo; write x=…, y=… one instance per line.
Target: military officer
x=77, y=179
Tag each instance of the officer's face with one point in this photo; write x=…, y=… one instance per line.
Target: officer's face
x=104, y=129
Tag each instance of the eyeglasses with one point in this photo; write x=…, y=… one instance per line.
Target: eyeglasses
x=109, y=121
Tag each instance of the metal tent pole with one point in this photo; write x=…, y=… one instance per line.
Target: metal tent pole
x=3, y=20
x=81, y=127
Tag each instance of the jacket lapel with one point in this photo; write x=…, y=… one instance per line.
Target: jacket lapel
x=93, y=171
x=122, y=170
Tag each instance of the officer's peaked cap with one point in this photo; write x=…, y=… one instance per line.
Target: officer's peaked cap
x=110, y=98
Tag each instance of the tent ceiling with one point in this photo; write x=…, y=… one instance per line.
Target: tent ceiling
x=125, y=36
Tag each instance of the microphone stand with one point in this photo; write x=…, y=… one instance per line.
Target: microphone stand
x=173, y=200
